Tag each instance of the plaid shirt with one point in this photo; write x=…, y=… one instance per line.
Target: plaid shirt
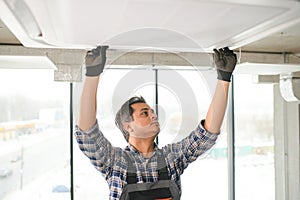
x=112, y=163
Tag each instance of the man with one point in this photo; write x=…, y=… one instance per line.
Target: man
x=143, y=171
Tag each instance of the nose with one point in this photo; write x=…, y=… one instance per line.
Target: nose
x=153, y=115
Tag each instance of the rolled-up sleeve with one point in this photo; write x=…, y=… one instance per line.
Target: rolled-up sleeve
x=96, y=147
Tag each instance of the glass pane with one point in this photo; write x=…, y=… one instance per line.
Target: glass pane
x=254, y=143
x=115, y=87
x=184, y=97
x=34, y=135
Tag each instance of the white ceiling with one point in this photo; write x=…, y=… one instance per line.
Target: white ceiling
x=175, y=25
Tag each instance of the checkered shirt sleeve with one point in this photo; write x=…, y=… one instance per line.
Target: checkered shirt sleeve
x=179, y=155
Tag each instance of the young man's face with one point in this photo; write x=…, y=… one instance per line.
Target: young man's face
x=144, y=124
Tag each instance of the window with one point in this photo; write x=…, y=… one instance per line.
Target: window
x=34, y=132
x=254, y=142
x=34, y=135
x=192, y=93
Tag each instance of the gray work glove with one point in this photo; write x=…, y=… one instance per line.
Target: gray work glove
x=225, y=61
x=95, y=61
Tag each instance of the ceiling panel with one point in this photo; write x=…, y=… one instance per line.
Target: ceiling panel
x=284, y=40
x=174, y=25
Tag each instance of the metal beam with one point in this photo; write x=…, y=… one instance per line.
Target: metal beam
x=268, y=57
x=159, y=58
x=69, y=61
x=266, y=78
x=121, y=57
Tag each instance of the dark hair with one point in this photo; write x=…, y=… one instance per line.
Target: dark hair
x=125, y=114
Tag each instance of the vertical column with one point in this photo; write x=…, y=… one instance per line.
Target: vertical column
x=231, y=143
x=287, y=139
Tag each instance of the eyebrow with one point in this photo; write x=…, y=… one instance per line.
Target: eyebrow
x=143, y=109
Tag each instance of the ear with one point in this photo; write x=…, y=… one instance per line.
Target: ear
x=127, y=127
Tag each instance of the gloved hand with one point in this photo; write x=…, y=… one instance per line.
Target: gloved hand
x=225, y=61
x=95, y=61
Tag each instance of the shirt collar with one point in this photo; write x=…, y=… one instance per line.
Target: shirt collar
x=131, y=148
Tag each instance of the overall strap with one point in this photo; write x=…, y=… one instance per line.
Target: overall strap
x=161, y=165
x=131, y=171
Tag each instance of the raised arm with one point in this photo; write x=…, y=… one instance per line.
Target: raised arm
x=225, y=61
x=95, y=62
